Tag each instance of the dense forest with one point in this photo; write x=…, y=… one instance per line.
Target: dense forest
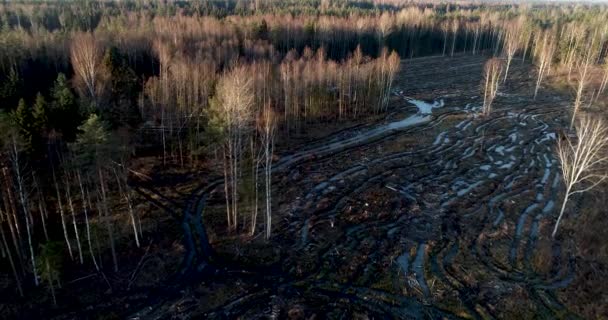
x=94, y=94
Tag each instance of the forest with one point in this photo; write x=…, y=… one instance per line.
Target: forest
x=303, y=159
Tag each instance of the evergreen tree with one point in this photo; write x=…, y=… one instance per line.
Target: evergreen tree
x=124, y=87
x=22, y=116
x=39, y=116
x=64, y=114
x=93, y=146
x=10, y=86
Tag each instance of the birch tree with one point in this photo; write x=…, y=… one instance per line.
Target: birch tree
x=512, y=43
x=19, y=176
x=86, y=219
x=583, y=159
x=385, y=27
x=7, y=250
x=61, y=213
x=268, y=126
x=68, y=196
x=492, y=73
x=455, y=27
x=584, y=64
x=233, y=114
x=86, y=55
x=445, y=30
x=545, y=56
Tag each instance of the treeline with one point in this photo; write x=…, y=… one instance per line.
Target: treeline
x=410, y=32
x=35, y=55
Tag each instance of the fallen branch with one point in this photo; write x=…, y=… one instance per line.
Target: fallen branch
x=137, y=268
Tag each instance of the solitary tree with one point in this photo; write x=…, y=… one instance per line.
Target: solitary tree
x=583, y=159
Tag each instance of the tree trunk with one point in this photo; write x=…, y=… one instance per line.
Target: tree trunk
x=226, y=193
x=25, y=207
x=13, y=224
x=107, y=219
x=71, y=206
x=125, y=194
x=12, y=263
x=41, y=207
x=561, y=213
x=86, y=220
x=63, y=225
x=48, y=270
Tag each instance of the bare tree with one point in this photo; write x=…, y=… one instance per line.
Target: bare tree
x=545, y=55
x=120, y=179
x=385, y=27
x=388, y=67
x=235, y=99
x=62, y=214
x=575, y=37
x=11, y=215
x=41, y=206
x=23, y=201
x=584, y=64
x=583, y=159
x=7, y=249
x=492, y=73
x=268, y=126
x=107, y=217
x=86, y=54
x=86, y=220
x=512, y=44
x=455, y=27
x=68, y=196
x=526, y=36
x=445, y=29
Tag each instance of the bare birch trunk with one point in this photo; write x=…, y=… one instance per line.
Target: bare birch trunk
x=107, y=219
x=68, y=193
x=63, y=224
x=86, y=220
x=12, y=263
x=24, y=206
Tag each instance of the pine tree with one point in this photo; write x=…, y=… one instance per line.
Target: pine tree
x=39, y=115
x=64, y=115
x=22, y=116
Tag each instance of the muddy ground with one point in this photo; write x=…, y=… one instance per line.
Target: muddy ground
x=432, y=212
